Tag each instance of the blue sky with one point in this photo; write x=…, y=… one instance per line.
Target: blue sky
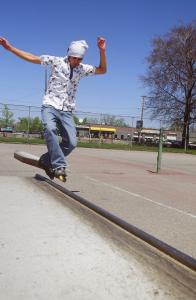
x=47, y=27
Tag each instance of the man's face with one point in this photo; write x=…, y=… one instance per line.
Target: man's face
x=74, y=61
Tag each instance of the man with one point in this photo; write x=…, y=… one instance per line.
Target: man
x=59, y=99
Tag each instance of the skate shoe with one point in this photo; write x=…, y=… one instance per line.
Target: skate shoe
x=49, y=171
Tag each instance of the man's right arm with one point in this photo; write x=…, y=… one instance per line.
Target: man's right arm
x=22, y=54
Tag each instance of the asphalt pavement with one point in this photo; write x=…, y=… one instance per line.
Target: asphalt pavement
x=53, y=248
x=126, y=184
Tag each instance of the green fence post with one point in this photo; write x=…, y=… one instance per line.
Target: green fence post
x=160, y=150
x=29, y=120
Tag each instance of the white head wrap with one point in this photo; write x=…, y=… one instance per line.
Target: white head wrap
x=77, y=49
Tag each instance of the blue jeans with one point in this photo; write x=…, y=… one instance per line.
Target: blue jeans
x=57, y=122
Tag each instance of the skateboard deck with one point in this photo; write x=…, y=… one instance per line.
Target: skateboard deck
x=32, y=160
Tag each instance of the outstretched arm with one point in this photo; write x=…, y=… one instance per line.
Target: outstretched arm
x=22, y=54
x=103, y=65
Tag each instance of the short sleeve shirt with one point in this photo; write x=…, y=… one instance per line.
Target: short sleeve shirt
x=61, y=87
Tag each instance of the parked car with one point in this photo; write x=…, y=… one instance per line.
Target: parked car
x=167, y=143
x=192, y=145
x=176, y=144
x=6, y=129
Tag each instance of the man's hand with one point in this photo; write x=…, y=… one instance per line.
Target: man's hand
x=5, y=43
x=101, y=42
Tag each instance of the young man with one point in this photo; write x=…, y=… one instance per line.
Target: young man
x=59, y=99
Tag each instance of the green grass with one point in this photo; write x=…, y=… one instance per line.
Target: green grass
x=179, y=150
x=116, y=146
x=134, y=147
x=97, y=145
x=21, y=140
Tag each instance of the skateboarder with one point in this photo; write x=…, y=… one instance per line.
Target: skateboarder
x=59, y=99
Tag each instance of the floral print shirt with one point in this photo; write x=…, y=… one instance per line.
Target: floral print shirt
x=62, y=86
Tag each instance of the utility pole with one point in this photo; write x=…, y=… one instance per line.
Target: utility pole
x=142, y=108
x=141, y=120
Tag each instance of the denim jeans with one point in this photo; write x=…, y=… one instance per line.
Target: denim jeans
x=57, y=122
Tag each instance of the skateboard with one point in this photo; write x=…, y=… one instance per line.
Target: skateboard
x=34, y=160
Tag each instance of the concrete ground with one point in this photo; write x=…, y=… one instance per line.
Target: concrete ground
x=54, y=248
x=125, y=183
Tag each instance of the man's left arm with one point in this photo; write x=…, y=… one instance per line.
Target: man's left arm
x=102, y=69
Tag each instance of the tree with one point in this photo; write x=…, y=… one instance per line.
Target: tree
x=6, y=119
x=33, y=125
x=92, y=120
x=76, y=120
x=36, y=125
x=171, y=78
x=113, y=121
x=79, y=121
x=23, y=124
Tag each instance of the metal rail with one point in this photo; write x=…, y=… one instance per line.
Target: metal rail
x=177, y=255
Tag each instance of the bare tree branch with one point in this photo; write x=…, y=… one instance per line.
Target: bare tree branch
x=171, y=77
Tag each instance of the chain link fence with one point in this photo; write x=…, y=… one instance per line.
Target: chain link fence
x=100, y=128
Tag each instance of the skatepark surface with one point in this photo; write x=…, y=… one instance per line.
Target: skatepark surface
x=53, y=248
x=125, y=183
